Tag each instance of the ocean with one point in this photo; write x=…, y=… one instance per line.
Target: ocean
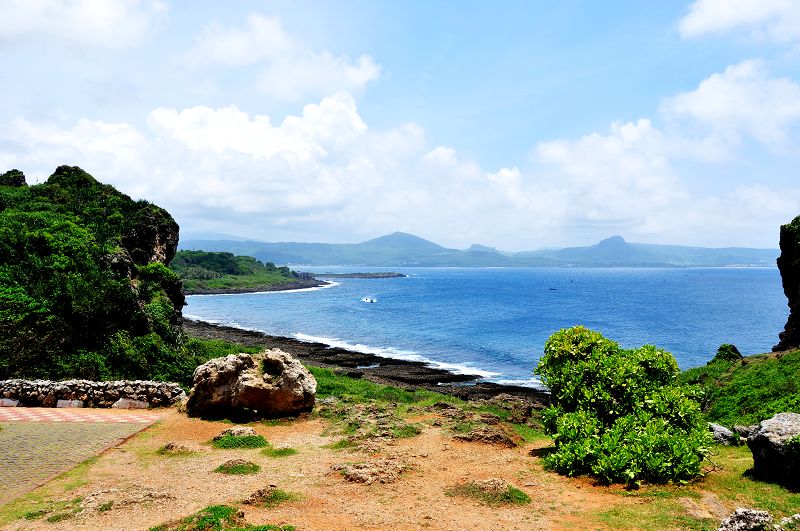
x=494, y=322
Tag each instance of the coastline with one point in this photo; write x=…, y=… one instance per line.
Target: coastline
x=405, y=374
x=299, y=284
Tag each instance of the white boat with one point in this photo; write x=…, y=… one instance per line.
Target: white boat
x=368, y=299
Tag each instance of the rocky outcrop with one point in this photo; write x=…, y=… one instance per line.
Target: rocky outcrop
x=776, y=449
x=746, y=520
x=789, y=266
x=269, y=384
x=757, y=520
x=723, y=435
x=121, y=394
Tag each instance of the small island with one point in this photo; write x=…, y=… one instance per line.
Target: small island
x=208, y=273
x=381, y=274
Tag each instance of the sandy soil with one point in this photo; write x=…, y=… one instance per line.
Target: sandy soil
x=148, y=489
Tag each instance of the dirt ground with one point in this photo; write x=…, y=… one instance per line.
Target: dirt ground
x=134, y=487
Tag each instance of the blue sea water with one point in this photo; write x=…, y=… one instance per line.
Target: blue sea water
x=494, y=322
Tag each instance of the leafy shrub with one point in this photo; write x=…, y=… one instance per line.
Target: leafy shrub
x=617, y=414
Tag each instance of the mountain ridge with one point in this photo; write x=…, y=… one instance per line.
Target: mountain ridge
x=403, y=249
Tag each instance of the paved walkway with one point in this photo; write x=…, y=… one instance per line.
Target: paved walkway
x=37, y=444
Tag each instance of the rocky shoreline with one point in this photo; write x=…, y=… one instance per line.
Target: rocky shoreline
x=302, y=283
x=400, y=373
x=388, y=274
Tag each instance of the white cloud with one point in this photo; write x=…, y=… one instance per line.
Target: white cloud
x=764, y=20
x=261, y=39
x=325, y=175
x=288, y=69
x=112, y=24
x=296, y=78
x=742, y=100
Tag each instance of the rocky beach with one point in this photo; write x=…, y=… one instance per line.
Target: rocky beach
x=401, y=373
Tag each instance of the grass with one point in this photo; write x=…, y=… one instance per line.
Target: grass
x=278, y=496
x=749, y=390
x=238, y=468
x=509, y=496
x=661, y=506
x=217, y=518
x=240, y=442
x=358, y=390
x=174, y=452
x=341, y=444
x=271, y=451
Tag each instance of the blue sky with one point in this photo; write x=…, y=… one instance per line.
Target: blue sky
x=514, y=124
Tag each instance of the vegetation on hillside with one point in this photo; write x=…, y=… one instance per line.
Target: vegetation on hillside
x=208, y=271
x=83, y=290
x=748, y=390
x=619, y=415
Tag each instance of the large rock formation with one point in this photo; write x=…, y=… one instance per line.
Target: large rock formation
x=789, y=266
x=269, y=384
x=776, y=449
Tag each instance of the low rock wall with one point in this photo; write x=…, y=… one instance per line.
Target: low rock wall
x=123, y=394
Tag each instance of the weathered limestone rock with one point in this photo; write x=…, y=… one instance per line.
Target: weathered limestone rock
x=776, y=457
x=236, y=431
x=270, y=384
x=723, y=435
x=745, y=431
x=756, y=520
x=746, y=520
x=789, y=266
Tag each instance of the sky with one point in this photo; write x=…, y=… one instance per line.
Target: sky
x=518, y=125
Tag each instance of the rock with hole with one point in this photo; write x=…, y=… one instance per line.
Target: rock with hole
x=271, y=384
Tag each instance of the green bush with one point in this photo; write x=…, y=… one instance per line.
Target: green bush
x=240, y=441
x=618, y=414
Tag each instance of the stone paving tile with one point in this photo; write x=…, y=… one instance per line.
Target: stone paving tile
x=32, y=452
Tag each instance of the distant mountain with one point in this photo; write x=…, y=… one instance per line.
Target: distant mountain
x=401, y=249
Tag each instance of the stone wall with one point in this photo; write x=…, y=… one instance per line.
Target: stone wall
x=86, y=393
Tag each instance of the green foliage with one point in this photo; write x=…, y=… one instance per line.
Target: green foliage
x=203, y=271
x=271, y=451
x=619, y=415
x=278, y=496
x=78, y=297
x=727, y=352
x=240, y=441
x=749, y=390
x=490, y=496
x=218, y=518
x=238, y=469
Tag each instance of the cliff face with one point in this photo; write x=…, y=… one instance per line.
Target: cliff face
x=789, y=266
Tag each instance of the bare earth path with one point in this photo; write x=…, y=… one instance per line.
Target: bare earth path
x=37, y=444
x=133, y=487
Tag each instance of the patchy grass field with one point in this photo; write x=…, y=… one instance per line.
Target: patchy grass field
x=372, y=457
